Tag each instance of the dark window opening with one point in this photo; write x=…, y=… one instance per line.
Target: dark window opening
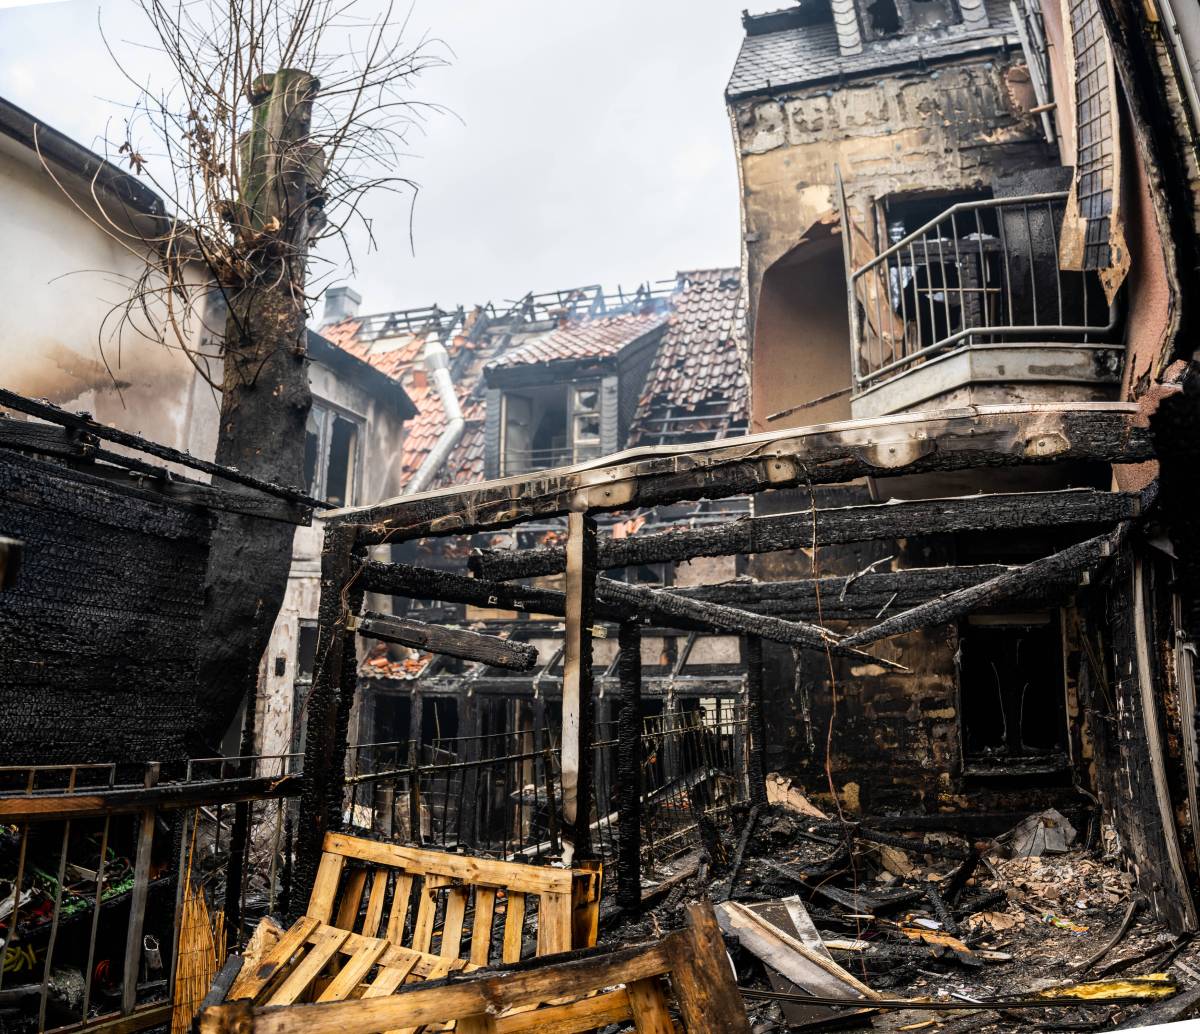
x=439, y=722
x=306, y=651
x=330, y=455
x=885, y=19
x=306, y=662
x=1012, y=694
x=550, y=426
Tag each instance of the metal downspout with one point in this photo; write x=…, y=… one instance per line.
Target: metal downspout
x=437, y=364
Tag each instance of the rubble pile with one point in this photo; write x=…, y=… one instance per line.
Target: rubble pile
x=930, y=916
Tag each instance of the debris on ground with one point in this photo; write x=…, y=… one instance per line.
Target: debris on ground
x=818, y=903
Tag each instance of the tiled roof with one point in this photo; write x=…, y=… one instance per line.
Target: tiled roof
x=806, y=54
x=702, y=357
x=586, y=339
x=700, y=360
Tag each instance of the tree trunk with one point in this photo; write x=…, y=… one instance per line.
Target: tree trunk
x=265, y=398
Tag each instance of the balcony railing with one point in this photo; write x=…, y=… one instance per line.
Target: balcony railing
x=983, y=272
x=528, y=461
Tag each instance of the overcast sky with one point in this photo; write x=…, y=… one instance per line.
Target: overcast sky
x=589, y=144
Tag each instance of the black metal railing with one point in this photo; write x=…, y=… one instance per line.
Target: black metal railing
x=982, y=271
x=94, y=860
x=501, y=795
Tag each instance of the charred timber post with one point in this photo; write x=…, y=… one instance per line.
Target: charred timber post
x=347, y=686
x=337, y=568
x=629, y=766
x=756, y=724
x=834, y=526
x=1076, y=560
x=453, y=642
x=577, y=685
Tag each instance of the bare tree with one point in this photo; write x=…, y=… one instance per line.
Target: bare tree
x=281, y=115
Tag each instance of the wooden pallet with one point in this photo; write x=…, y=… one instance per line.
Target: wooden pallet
x=422, y=899
x=561, y=996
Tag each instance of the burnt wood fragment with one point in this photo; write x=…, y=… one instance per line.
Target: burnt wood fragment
x=833, y=526
x=453, y=642
x=756, y=724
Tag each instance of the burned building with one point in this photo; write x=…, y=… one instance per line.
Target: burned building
x=557, y=378
x=948, y=206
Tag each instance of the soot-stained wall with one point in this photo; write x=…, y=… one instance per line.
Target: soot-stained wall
x=98, y=637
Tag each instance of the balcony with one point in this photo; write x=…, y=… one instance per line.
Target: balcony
x=972, y=309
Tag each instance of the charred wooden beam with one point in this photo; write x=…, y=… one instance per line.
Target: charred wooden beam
x=81, y=422
x=1075, y=561
x=453, y=642
x=550, y=687
x=833, y=525
x=756, y=724
x=80, y=450
x=577, y=703
x=731, y=619
x=863, y=596
x=986, y=436
x=321, y=706
x=629, y=764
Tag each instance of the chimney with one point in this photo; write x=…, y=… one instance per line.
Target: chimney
x=845, y=20
x=341, y=303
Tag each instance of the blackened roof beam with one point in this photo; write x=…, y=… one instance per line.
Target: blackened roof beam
x=831, y=526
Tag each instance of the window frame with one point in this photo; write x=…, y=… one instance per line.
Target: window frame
x=326, y=413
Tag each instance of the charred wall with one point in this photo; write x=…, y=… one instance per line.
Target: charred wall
x=98, y=637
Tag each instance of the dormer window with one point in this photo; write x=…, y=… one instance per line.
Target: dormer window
x=885, y=19
x=550, y=426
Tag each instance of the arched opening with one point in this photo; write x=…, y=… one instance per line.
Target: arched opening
x=801, y=335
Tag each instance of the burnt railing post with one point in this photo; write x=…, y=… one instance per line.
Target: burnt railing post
x=756, y=726
x=320, y=747
x=629, y=768
x=577, y=704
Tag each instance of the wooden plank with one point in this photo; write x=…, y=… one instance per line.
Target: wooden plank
x=574, y=1017
x=809, y=969
x=324, y=941
x=485, y=872
x=374, y=914
x=481, y=925
x=426, y=910
x=352, y=891
x=320, y=902
x=137, y=901
x=451, y=642
x=554, y=924
x=831, y=526
x=145, y=1018
x=891, y=446
x=452, y=925
x=488, y=992
x=52, y=807
x=401, y=896
x=704, y=984
x=389, y=978
x=514, y=926
x=354, y=972
x=648, y=1005
x=1078, y=560
x=250, y=984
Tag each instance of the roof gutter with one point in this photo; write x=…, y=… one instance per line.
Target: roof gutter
x=437, y=364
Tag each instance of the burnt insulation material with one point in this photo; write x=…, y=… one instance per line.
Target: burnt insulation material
x=98, y=638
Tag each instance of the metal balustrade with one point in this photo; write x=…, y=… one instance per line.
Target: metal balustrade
x=982, y=272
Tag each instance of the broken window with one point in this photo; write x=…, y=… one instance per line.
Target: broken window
x=551, y=426
x=331, y=445
x=306, y=662
x=884, y=18
x=1095, y=174
x=1012, y=691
